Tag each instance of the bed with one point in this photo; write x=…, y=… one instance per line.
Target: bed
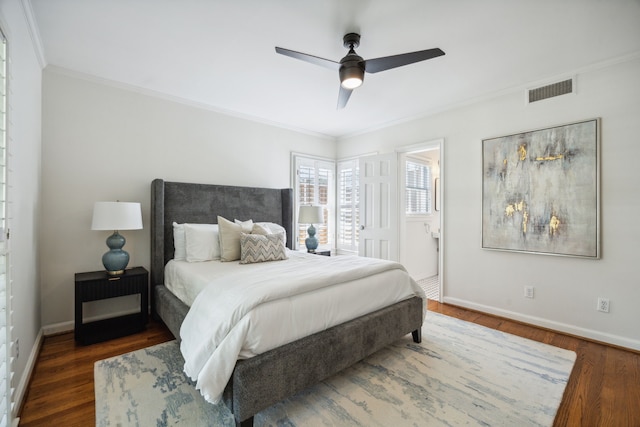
x=267, y=378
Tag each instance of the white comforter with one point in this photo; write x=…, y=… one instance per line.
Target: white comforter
x=217, y=328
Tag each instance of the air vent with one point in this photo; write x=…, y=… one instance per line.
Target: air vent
x=549, y=91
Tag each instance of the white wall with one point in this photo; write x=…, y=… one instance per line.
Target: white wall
x=106, y=143
x=566, y=289
x=24, y=106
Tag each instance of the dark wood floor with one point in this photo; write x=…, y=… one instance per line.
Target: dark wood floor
x=603, y=390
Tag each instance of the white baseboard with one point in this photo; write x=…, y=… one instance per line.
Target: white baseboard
x=21, y=388
x=58, y=328
x=549, y=324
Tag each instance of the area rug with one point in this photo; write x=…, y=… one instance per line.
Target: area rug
x=461, y=374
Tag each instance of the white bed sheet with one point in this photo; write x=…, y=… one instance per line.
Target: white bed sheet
x=306, y=313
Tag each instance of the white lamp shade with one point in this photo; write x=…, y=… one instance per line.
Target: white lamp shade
x=116, y=216
x=310, y=215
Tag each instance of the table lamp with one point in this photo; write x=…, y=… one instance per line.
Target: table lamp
x=311, y=215
x=116, y=216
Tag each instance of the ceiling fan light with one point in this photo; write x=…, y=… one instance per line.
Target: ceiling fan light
x=351, y=77
x=351, y=83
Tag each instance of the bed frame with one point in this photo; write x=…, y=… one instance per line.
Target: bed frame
x=268, y=378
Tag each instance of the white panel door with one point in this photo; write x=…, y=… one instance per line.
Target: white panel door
x=379, y=207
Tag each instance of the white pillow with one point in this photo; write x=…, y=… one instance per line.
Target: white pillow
x=246, y=225
x=229, y=240
x=260, y=229
x=275, y=229
x=202, y=242
x=179, y=244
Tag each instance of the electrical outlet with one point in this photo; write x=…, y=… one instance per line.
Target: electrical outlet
x=603, y=305
x=528, y=291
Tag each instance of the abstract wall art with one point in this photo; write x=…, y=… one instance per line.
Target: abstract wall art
x=540, y=191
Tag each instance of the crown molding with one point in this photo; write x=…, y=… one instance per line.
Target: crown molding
x=177, y=99
x=32, y=26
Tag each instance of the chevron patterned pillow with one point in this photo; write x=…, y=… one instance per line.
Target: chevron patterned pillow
x=261, y=248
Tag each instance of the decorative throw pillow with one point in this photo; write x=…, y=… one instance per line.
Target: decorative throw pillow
x=179, y=244
x=261, y=248
x=202, y=242
x=246, y=225
x=260, y=229
x=275, y=229
x=229, y=239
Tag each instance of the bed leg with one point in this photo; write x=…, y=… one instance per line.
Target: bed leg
x=417, y=336
x=246, y=423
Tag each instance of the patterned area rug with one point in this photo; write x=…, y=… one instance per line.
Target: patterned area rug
x=461, y=374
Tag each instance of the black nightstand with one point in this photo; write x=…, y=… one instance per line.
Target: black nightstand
x=98, y=285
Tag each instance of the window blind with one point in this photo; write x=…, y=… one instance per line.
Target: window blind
x=348, y=205
x=6, y=390
x=418, y=188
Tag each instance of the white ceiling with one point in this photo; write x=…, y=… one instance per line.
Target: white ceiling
x=220, y=54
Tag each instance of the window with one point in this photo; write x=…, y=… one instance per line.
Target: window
x=6, y=360
x=314, y=185
x=418, y=188
x=348, y=205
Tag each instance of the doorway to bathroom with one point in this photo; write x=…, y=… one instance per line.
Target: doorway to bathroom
x=420, y=185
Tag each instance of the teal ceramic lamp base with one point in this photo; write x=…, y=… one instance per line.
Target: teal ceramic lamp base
x=311, y=242
x=116, y=260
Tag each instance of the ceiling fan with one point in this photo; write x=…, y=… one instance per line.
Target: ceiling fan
x=352, y=67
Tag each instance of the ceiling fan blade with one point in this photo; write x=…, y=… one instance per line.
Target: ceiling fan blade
x=343, y=97
x=388, y=62
x=327, y=63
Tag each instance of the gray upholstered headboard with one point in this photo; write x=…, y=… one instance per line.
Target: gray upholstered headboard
x=201, y=204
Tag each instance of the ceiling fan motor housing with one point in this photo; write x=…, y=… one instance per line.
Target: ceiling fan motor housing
x=351, y=70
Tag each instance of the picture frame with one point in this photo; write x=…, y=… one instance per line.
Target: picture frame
x=541, y=191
